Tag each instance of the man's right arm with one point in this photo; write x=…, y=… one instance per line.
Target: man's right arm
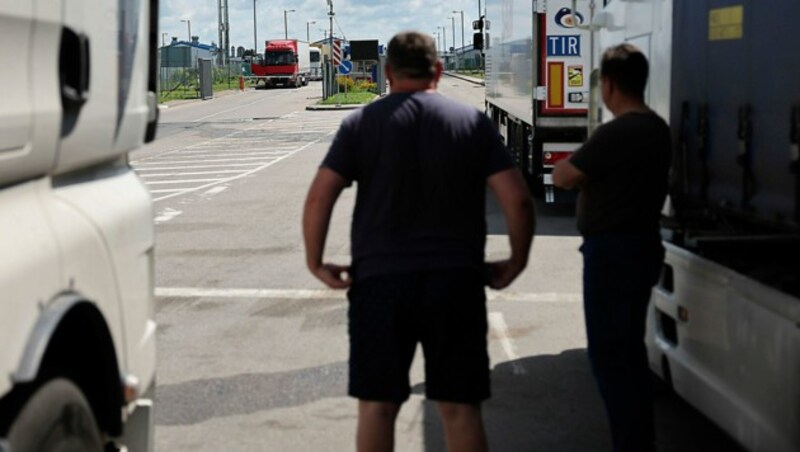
x=322, y=196
x=511, y=191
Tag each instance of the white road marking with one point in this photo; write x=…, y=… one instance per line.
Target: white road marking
x=260, y=100
x=241, y=159
x=170, y=168
x=500, y=329
x=195, y=173
x=216, y=190
x=191, y=292
x=166, y=215
x=170, y=190
x=180, y=181
x=545, y=297
x=245, y=174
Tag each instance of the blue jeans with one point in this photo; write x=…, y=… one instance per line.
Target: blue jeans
x=618, y=275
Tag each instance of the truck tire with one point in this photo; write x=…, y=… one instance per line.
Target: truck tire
x=57, y=418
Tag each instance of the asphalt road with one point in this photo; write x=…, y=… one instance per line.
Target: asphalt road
x=253, y=350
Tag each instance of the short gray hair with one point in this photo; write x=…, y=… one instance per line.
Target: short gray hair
x=412, y=54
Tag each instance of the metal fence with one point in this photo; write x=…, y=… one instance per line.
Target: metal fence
x=179, y=74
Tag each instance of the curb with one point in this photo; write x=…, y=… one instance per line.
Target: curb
x=333, y=107
x=476, y=81
x=317, y=107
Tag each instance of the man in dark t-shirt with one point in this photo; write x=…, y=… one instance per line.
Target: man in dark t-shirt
x=422, y=164
x=622, y=173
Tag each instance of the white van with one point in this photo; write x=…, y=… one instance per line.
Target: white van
x=76, y=236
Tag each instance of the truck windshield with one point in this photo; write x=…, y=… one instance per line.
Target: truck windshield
x=315, y=57
x=278, y=58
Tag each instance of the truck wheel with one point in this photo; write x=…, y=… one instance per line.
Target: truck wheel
x=57, y=418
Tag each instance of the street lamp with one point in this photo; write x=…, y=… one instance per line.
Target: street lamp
x=444, y=41
x=453, y=23
x=191, y=50
x=285, y=24
x=308, y=34
x=438, y=39
x=189, y=25
x=462, y=34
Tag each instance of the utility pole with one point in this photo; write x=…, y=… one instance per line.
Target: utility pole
x=444, y=41
x=483, y=38
x=255, y=32
x=224, y=37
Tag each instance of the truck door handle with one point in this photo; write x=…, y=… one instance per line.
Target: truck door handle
x=73, y=71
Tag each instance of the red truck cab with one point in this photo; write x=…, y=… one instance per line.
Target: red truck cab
x=285, y=62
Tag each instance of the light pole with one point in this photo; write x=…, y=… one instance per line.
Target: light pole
x=453, y=23
x=286, y=24
x=189, y=26
x=255, y=32
x=444, y=42
x=438, y=39
x=332, y=69
x=308, y=33
x=462, y=32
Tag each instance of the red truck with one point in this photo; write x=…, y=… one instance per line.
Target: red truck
x=285, y=62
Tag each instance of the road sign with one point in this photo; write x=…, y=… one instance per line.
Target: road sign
x=345, y=67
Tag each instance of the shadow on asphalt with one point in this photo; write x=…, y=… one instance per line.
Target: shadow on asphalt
x=551, y=219
x=549, y=403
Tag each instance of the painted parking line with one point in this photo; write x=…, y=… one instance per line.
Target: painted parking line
x=497, y=323
x=315, y=294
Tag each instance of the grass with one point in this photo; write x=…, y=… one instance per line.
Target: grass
x=349, y=98
x=471, y=73
x=191, y=92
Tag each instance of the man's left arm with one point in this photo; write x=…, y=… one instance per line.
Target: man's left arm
x=322, y=196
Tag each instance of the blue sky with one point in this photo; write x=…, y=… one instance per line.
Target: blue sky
x=357, y=19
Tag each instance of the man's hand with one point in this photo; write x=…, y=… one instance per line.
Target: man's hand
x=321, y=197
x=503, y=273
x=334, y=276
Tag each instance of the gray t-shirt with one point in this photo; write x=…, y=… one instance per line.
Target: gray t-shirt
x=421, y=162
x=626, y=162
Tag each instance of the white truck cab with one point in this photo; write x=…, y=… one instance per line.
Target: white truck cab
x=76, y=235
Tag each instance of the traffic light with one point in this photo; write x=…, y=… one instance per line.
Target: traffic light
x=477, y=41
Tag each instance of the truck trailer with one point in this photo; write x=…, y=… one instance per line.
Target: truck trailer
x=537, y=84
x=723, y=326
x=77, y=315
x=285, y=62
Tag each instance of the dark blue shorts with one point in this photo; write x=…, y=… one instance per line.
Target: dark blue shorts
x=444, y=310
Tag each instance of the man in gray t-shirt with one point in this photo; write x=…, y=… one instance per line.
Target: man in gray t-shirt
x=422, y=163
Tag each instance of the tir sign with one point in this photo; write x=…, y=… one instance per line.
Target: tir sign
x=569, y=45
